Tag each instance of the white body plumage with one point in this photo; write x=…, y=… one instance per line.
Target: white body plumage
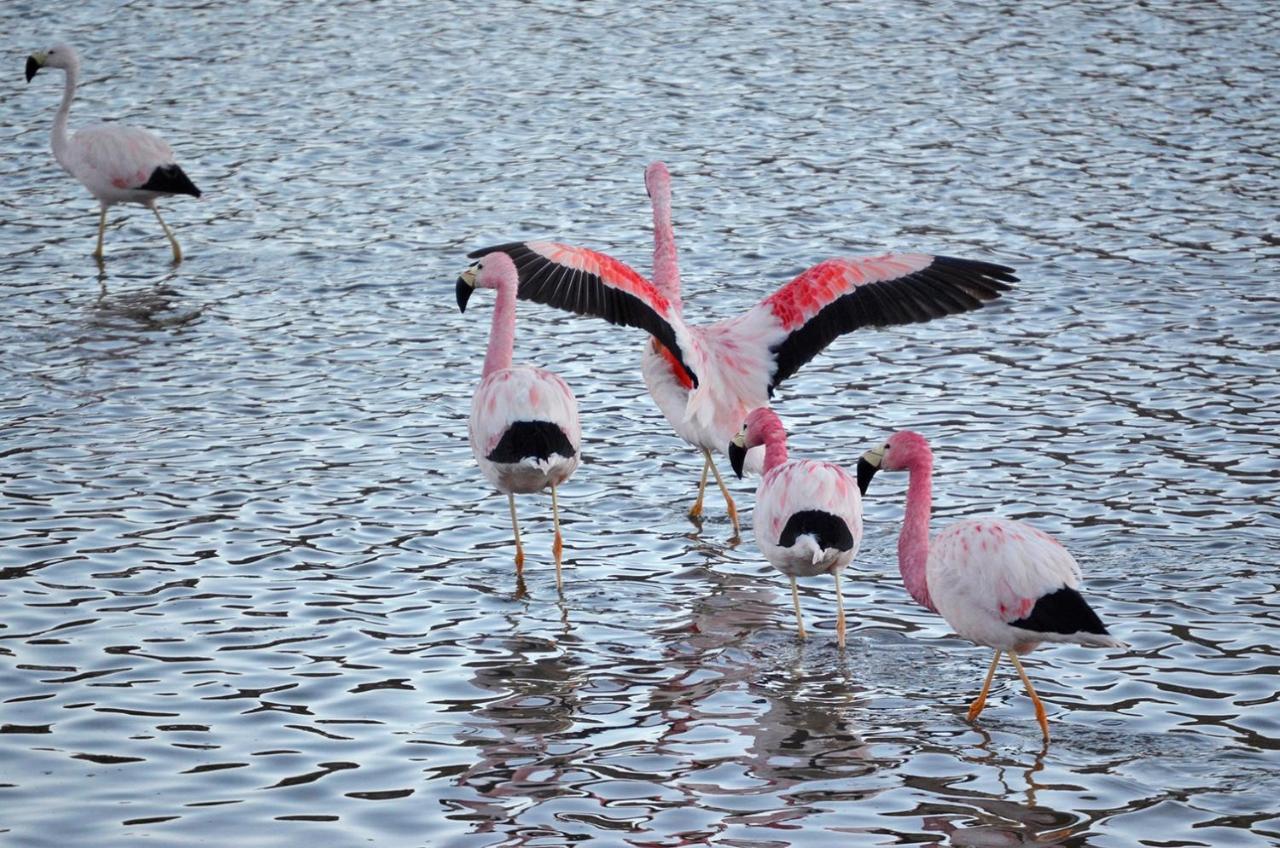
x=517, y=394
x=804, y=485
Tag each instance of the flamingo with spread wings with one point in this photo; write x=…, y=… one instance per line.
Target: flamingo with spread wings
x=707, y=378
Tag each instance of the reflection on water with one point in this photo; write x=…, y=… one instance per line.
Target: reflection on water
x=253, y=590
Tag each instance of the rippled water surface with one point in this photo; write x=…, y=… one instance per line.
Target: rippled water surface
x=254, y=591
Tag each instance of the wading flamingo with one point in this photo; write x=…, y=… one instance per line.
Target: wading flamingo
x=118, y=164
x=524, y=420
x=707, y=378
x=808, y=514
x=999, y=583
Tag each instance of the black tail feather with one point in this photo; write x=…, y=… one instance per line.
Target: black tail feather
x=170, y=179
x=829, y=530
x=1063, y=611
x=531, y=440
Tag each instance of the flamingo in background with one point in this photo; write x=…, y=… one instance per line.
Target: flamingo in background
x=118, y=164
x=808, y=515
x=524, y=420
x=997, y=582
x=668, y=384
x=706, y=379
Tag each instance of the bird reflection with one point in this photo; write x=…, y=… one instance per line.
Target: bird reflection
x=154, y=307
x=535, y=681
x=1002, y=819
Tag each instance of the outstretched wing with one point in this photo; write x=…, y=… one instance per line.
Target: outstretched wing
x=840, y=295
x=590, y=283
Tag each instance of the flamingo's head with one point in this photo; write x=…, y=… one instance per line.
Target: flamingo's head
x=657, y=181
x=759, y=425
x=58, y=56
x=491, y=271
x=902, y=451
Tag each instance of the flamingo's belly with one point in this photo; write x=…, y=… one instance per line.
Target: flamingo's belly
x=672, y=397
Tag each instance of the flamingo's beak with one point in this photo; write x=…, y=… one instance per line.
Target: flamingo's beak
x=34, y=63
x=868, y=465
x=738, y=452
x=466, y=285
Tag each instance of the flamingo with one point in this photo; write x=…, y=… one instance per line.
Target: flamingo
x=118, y=164
x=524, y=421
x=999, y=583
x=667, y=384
x=705, y=379
x=808, y=515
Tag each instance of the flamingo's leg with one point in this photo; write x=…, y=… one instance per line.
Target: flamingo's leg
x=1035, y=699
x=696, y=509
x=728, y=499
x=515, y=526
x=981, y=701
x=839, y=611
x=795, y=601
x=557, y=547
x=102, y=229
x=177, y=251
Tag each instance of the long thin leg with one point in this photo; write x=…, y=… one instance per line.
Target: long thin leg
x=102, y=229
x=728, y=499
x=839, y=612
x=696, y=509
x=177, y=251
x=795, y=600
x=1035, y=699
x=981, y=701
x=557, y=547
x=515, y=526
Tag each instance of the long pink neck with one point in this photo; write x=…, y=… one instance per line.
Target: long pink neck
x=666, y=267
x=774, y=437
x=60, y=140
x=502, y=333
x=913, y=542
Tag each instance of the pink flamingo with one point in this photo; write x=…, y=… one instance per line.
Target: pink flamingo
x=524, y=420
x=118, y=164
x=706, y=379
x=999, y=583
x=808, y=514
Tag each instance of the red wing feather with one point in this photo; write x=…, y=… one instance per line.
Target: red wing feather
x=838, y=296
x=591, y=283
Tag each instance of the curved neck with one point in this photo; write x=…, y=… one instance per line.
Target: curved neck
x=60, y=119
x=913, y=542
x=502, y=332
x=666, y=267
x=774, y=439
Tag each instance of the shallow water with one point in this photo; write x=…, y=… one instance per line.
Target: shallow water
x=254, y=590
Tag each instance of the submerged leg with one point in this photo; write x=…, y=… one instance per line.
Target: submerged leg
x=728, y=499
x=557, y=547
x=981, y=701
x=1035, y=699
x=177, y=251
x=102, y=229
x=839, y=611
x=515, y=526
x=696, y=509
x=795, y=601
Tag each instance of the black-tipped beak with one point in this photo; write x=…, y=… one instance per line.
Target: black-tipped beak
x=32, y=67
x=737, y=457
x=464, y=290
x=865, y=472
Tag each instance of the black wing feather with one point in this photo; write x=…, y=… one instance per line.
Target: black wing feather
x=946, y=287
x=584, y=293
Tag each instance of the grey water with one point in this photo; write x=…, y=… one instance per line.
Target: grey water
x=254, y=591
